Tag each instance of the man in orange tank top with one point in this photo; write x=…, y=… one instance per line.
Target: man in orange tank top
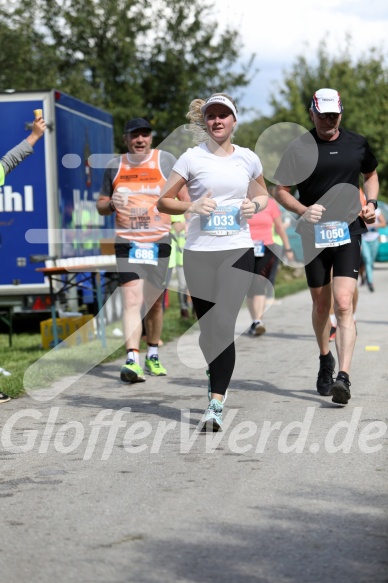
x=131, y=187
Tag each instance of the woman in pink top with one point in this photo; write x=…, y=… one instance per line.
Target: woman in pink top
x=261, y=226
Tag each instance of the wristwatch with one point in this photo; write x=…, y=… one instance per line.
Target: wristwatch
x=373, y=201
x=257, y=207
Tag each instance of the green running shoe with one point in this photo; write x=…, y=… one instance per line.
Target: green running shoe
x=132, y=372
x=209, y=389
x=153, y=367
x=212, y=418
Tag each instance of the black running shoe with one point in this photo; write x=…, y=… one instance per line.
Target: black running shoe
x=325, y=377
x=340, y=391
x=4, y=398
x=333, y=330
x=257, y=328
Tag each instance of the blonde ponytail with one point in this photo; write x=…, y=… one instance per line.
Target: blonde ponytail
x=197, y=124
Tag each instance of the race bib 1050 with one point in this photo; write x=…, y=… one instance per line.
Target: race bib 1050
x=331, y=234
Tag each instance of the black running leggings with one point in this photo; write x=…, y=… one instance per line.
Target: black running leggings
x=218, y=282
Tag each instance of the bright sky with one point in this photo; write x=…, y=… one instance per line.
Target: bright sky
x=280, y=30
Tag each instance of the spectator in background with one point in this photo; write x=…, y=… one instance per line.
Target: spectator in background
x=370, y=242
x=10, y=160
x=278, y=245
x=178, y=239
x=262, y=226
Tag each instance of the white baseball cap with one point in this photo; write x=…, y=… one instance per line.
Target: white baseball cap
x=220, y=99
x=327, y=101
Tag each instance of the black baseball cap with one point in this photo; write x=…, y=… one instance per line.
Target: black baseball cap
x=138, y=123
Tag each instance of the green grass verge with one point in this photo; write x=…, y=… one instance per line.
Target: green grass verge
x=34, y=367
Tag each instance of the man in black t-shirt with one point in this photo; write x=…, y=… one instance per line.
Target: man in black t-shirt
x=325, y=164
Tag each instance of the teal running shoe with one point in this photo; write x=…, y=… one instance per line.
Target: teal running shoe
x=212, y=418
x=209, y=389
x=153, y=367
x=132, y=372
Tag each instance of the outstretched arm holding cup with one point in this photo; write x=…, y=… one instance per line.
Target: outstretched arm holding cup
x=13, y=157
x=10, y=160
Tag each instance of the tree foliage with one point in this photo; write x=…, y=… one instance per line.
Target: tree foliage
x=362, y=84
x=27, y=62
x=131, y=57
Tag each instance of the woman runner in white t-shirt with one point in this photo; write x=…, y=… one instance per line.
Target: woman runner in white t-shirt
x=226, y=187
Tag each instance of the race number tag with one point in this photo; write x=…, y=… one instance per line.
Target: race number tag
x=331, y=234
x=143, y=253
x=259, y=248
x=225, y=220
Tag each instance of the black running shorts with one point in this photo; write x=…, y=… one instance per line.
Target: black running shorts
x=344, y=260
x=154, y=274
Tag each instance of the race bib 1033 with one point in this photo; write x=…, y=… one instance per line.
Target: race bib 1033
x=225, y=220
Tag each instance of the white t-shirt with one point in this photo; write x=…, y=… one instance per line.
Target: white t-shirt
x=228, y=179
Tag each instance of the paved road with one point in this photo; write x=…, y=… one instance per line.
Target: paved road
x=110, y=483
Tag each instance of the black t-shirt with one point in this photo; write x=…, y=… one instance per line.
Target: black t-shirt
x=329, y=174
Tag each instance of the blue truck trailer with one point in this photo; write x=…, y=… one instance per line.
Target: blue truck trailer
x=54, y=191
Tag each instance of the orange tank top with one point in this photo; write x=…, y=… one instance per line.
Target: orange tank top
x=140, y=220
